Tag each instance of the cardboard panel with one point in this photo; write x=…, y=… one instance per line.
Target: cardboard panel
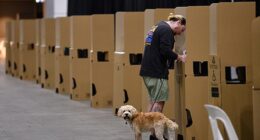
x=7, y=42
x=134, y=31
x=15, y=48
x=30, y=31
x=58, y=78
x=196, y=36
x=63, y=42
x=80, y=77
x=256, y=114
x=214, y=90
x=8, y=31
x=64, y=71
x=49, y=31
x=102, y=43
x=130, y=30
x=16, y=62
x=230, y=36
x=38, y=52
x=80, y=40
x=80, y=31
x=29, y=61
x=132, y=85
x=64, y=31
x=102, y=77
x=237, y=103
x=12, y=45
x=196, y=95
x=43, y=51
x=8, y=60
x=192, y=77
x=256, y=51
x=180, y=102
x=102, y=35
x=169, y=109
x=118, y=93
x=28, y=34
x=197, y=32
x=49, y=70
x=21, y=48
x=49, y=36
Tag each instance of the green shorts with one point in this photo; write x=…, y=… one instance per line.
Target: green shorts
x=157, y=88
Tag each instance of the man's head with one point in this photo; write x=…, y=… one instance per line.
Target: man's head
x=177, y=23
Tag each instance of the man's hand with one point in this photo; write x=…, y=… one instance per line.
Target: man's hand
x=182, y=58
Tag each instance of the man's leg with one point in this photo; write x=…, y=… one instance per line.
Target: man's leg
x=156, y=106
x=158, y=93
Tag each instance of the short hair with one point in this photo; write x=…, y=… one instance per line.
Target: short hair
x=180, y=18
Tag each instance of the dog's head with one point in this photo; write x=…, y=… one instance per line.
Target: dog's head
x=126, y=112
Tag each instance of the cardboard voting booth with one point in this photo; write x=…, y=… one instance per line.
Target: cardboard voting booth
x=192, y=76
x=229, y=40
x=27, y=47
x=38, y=51
x=101, y=72
x=7, y=42
x=15, y=38
x=43, y=50
x=256, y=76
x=80, y=59
x=62, y=56
x=48, y=53
x=127, y=59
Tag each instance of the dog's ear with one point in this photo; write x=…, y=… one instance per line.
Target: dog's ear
x=120, y=112
x=133, y=110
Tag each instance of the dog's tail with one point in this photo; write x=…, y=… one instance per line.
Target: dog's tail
x=171, y=125
x=171, y=129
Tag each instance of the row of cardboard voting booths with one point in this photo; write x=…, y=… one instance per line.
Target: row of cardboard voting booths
x=98, y=58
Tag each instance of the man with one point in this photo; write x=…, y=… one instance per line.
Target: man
x=158, y=58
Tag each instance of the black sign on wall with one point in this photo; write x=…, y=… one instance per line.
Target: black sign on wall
x=88, y=7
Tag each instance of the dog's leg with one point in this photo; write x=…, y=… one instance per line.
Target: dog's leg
x=171, y=127
x=138, y=133
x=159, y=128
x=165, y=133
x=171, y=134
x=138, y=136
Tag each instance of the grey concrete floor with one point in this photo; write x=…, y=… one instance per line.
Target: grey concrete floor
x=28, y=112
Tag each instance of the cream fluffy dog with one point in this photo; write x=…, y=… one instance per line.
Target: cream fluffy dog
x=143, y=122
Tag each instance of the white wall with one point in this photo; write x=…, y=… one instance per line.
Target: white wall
x=55, y=8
